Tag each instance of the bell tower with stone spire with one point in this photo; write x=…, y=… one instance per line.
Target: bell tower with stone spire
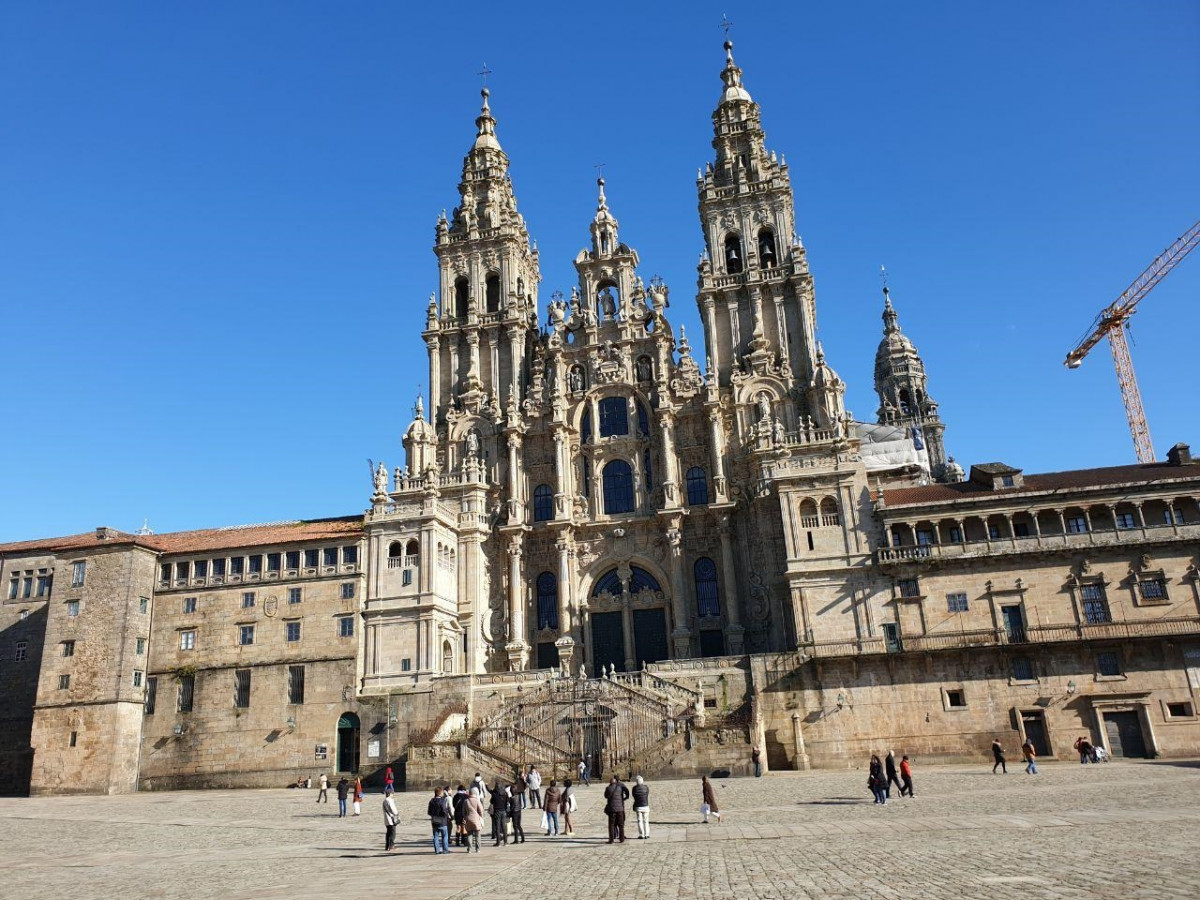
x=904, y=400
x=478, y=329
x=755, y=291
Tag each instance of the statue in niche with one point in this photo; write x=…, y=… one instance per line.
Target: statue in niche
x=764, y=406
x=777, y=433
x=644, y=369
x=576, y=379
x=472, y=444
x=608, y=305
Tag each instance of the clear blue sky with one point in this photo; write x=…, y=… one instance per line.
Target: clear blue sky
x=216, y=219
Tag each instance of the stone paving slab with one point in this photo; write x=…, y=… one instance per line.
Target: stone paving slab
x=1122, y=830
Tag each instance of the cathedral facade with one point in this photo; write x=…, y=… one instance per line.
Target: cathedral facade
x=680, y=550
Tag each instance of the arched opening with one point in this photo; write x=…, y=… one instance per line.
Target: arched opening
x=492, y=292
x=708, y=593
x=905, y=402
x=618, y=487
x=644, y=369
x=547, y=601
x=734, y=260
x=395, y=548
x=543, y=503
x=829, y=512
x=697, y=486
x=808, y=513
x=614, y=416
x=462, y=291
x=347, y=743
x=608, y=301
x=766, y=248
x=447, y=658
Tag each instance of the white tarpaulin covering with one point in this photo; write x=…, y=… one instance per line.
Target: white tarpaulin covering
x=886, y=447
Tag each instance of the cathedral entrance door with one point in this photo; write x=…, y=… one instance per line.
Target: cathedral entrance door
x=650, y=635
x=608, y=642
x=347, y=743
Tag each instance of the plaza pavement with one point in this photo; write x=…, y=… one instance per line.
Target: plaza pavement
x=1126, y=830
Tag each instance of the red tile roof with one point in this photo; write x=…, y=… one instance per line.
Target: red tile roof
x=1075, y=479
x=343, y=528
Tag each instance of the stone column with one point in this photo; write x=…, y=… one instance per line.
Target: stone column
x=681, y=635
x=798, y=743
x=435, y=375
x=666, y=422
x=716, y=445
x=514, y=475
x=711, y=343
x=733, y=616
x=518, y=650
x=565, y=616
x=627, y=631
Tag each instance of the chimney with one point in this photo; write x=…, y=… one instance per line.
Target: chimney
x=1180, y=455
x=103, y=533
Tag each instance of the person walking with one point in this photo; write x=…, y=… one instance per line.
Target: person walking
x=551, y=804
x=519, y=786
x=358, y=796
x=566, y=806
x=583, y=772
x=323, y=788
x=534, y=781
x=343, y=792
x=756, y=758
x=391, y=818
x=1030, y=757
x=1084, y=748
x=889, y=765
x=389, y=780
x=615, y=796
x=641, y=808
x=499, y=810
x=516, y=803
x=877, y=780
x=906, y=775
x=473, y=819
x=459, y=803
x=998, y=755
x=477, y=784
x=708, y=805
x=439, y=820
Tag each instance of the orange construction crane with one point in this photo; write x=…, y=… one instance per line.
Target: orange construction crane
x=1112, y=323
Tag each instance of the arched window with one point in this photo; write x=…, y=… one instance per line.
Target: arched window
x=708, y=594
x=543, y=503
x=618, y=487
x=829, y=512
x=614, y=416
x=492, y=292
x=643, y=419
x=905, y=402
x=395, y=548
x=610, y=583
x=733, y=254
x=447, y=658
x=697, y=486
x=641, y=580
x=412, y=551
x=585, y=427
x=462, y=291
x=547, y=601
x=766, y=248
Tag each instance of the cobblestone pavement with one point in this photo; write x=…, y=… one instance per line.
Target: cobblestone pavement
x=1120, y=830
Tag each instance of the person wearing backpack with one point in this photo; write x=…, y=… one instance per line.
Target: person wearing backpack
x=439, y=819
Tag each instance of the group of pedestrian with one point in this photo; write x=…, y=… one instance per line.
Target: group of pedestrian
x=1089, y=752
x=884, y=773
x=346, y=793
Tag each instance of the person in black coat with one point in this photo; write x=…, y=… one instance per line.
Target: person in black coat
x=615, y=796
x=499, y=810
x=877, y=780
x=516, y=802
x=889, y=764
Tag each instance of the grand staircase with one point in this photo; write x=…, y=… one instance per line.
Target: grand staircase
x=623, y=723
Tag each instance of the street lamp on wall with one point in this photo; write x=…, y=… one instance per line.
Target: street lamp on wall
x=1071, y=688
x=841, y=700
x=291, y=723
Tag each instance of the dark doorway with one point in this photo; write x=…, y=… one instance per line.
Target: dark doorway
x=1124, y=730
x=650, y=635
x=1014, y=624
x=712, y=643
x=547, y=655
x=347, y=741
x=1034, y=722
x=608, y=642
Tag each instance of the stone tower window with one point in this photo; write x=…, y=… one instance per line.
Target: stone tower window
x=734, y=256
x=492, y=292
x=462, y=292
x=766, y=248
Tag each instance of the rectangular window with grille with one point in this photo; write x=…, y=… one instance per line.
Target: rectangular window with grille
x=350, y=555
x=187, y=692
x=256, y=564
x=200, y=568
x=218, y=566
x=274, y=562
x=293, y=559
x=331, y=554
x=181, y=571
x=293, y=631
x=1022, y=669
x=295, y=684
x=237, y=565
x=241, y=688
x=151, y=694
x=956, y=602
x=1152, y=589
x=909, y=587
x=311, y=558
x=1108, y=663
x=21, y=651
x=1095, y=604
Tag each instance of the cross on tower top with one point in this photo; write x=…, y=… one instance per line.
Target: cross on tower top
x=725, y=25
x=599, y=167
x=484, y=73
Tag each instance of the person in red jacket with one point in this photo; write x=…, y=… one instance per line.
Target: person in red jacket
x=906, y=776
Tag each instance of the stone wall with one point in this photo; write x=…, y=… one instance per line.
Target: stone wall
x=22, y=624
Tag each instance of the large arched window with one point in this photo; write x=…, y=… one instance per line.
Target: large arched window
x=395, y=548
x=462, y=291
x=610, y=583
x=708, y=594
x=639, y=580
x=614, y=416
x=543, y=503
x=492, y=292
x=618, y=487
x=733, y=254
x=697, y=486
x=547, y=601
x=766, y=248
